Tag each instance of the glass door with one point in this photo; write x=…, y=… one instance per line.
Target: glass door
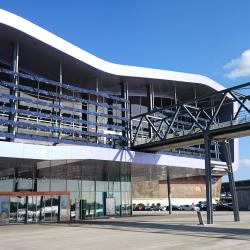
x=31, y=210
x=17, y=209
x=21, y=210
x=40, y=209
x=64, y=208
x=13, y=209
x=54, y=208
x=47, y=208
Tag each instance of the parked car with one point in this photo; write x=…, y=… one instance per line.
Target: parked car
x=224, y=207
x=153, y=207
x=174, y=208
x=139, y=207
x=157, y=207
x=187, y=208
x=202, y=205
x=148, y=208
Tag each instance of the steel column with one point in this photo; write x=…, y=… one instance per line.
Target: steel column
x=231, y=181
x=208, y=176
x=96, y=108
x=14, y=91
x=169, y=194
x=150, y=103
x=175, y=95
x=60, y=101
x=124, y=94
x=85, y=107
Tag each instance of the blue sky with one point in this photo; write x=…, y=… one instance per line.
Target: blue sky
x=190, y=36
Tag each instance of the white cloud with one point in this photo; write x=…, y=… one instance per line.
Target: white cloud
x=244, y=163
x=239, y=67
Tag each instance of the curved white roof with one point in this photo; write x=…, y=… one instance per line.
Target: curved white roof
x=47, y=37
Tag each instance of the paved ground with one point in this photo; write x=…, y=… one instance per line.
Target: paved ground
x=146, y=232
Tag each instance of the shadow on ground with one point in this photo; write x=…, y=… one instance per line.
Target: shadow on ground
x=166, y=228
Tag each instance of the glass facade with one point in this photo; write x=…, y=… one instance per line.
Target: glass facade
x=89, y=183
x=34, y=207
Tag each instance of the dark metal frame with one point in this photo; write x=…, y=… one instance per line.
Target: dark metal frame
x=20, y=108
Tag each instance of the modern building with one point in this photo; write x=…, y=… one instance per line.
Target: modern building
x=65, y=134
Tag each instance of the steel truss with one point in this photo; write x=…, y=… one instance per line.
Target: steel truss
x=218, y=117
x=199, y=115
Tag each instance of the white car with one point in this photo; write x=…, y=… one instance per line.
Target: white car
x=187, y=208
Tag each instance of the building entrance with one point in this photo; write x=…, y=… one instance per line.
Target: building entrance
x=34, y=207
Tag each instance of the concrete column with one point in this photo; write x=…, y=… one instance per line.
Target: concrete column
x=14, y=103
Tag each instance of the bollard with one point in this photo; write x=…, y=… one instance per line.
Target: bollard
x=199, y=215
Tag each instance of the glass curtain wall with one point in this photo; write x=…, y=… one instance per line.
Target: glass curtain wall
x=90, y=183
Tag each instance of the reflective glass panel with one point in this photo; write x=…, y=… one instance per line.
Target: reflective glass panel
x=21, y=209
x=54, y=207
x=47, y=208
x=99, y=204
x=13, y=209
x=31, y=209
x=88, y=204
x=4, y=209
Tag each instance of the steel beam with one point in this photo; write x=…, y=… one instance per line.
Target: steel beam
x=193, y=117
x=231, y=181
x=239, y=109
x=208, y=177
x=172, y=122
x=240, y=102
x=151, y=126
x=137, y=131
x=218, y=110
